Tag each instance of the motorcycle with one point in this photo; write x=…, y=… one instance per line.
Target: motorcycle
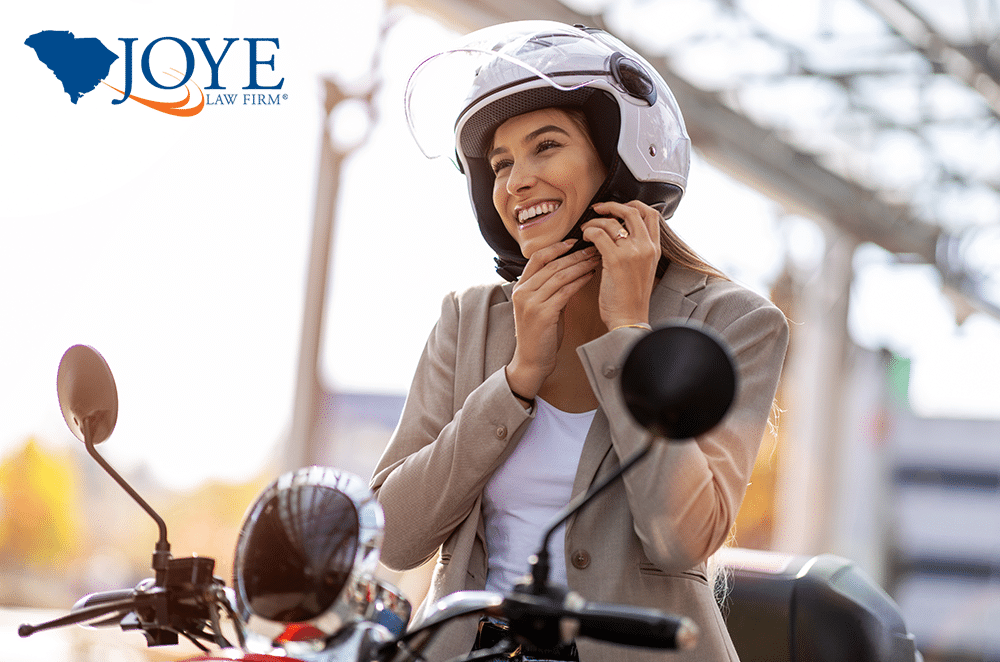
x=304, y=583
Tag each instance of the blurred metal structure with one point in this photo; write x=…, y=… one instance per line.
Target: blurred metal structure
x=303, y=442
x=311, y=412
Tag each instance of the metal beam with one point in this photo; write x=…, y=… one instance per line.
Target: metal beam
x=969, y=64
x=758, y=157
x=302, y=442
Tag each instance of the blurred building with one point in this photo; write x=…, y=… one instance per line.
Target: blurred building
x=944, y=528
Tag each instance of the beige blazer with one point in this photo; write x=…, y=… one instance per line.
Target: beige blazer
x=645, y=540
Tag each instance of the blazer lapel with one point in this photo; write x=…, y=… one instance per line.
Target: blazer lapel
x=500, y=339
x=671, y=298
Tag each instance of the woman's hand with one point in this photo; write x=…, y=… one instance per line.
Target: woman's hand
x=628, y=259
x=548, y=282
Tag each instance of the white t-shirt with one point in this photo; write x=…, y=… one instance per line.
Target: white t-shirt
x=525, y=493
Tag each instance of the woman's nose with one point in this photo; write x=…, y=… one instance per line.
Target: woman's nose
x=522, y=176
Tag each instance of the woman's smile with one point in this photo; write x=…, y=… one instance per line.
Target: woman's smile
x=535, y=214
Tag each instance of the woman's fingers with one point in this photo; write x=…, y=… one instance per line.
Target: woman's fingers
x=627, y=236
x=639, y=219
x=539, y=301
x=549, y=280
x=547, y=272
x=544, y=256
x=634, y=226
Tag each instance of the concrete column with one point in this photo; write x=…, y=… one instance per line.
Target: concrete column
x=301, y=446
x=817, y=368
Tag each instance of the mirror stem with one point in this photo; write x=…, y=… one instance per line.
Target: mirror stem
x=540, y=561
x=162, y=554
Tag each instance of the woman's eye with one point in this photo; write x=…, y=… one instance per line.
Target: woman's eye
x=500, y=165
x=547, y=144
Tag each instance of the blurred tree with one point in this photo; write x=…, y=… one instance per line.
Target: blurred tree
x=38, y=518
x=754, y=526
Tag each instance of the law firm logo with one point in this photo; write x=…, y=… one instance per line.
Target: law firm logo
x=83, y=63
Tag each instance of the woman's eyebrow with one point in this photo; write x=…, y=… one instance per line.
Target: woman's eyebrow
x=531, y=136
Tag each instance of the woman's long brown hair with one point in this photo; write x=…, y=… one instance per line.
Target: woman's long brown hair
x=674, y=249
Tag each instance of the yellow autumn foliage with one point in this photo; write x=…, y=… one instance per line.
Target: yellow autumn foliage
x=37, y=507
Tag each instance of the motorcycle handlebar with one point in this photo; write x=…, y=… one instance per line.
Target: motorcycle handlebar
x=103, y=597
x=81, y=614
x=555, y=615
x=635, y=626
x=161, y=607
x=541, y=617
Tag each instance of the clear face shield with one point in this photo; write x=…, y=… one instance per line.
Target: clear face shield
x=447, y=88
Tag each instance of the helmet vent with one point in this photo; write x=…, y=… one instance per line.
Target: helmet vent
x=633, y=78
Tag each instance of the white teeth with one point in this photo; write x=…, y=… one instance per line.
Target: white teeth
x=536, y=210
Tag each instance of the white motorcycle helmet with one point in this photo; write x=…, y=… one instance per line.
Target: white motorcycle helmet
x=306, y=557
x=513, y=68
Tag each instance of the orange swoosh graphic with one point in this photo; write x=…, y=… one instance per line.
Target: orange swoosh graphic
x=170, y=107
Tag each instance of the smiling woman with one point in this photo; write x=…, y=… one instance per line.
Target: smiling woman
x=575, y=154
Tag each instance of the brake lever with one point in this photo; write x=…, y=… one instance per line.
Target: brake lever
x=122, y=607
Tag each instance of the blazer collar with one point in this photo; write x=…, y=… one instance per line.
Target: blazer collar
x=671, y=296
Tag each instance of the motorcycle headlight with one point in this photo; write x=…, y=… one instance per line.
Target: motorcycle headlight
x=306, y=556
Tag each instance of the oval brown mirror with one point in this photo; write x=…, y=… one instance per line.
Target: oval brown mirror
x=88, y=396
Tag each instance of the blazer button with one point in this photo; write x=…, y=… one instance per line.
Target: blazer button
x=580, y=559
x=610, y=370
x=502, y=432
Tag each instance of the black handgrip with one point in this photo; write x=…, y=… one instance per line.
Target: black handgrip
x=635, y=626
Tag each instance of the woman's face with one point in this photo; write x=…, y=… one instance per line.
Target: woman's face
x=547, y=171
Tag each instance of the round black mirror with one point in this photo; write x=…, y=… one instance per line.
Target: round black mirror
x=678, y=381
x=88, y=396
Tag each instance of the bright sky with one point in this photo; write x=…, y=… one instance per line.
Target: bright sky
x=178, y=246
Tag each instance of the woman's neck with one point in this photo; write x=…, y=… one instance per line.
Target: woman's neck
x=582, y=317
x=567, y=387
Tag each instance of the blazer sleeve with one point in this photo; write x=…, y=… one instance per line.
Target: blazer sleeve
x=445, y=447
x=684, y=496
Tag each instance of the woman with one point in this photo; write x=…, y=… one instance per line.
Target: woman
x=575, y=153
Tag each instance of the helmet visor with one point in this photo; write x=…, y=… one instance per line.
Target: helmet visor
x=488, y=62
